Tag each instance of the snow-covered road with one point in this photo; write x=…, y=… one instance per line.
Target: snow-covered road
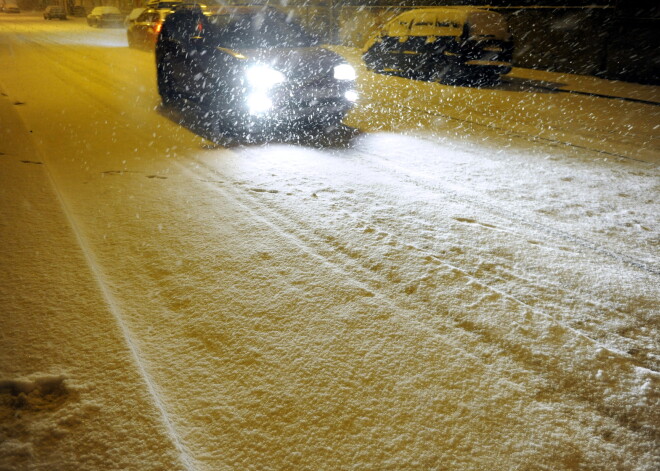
x=472, y=284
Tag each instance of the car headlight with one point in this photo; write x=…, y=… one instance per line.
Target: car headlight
x=351, y=95
x=344, y=72
x=258, y=103
x=264, y=77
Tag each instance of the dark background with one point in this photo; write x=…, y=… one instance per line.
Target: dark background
x=614, y=39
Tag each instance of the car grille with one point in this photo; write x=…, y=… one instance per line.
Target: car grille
x=314, y=93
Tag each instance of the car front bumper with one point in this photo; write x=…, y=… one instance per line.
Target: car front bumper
x=288, y=107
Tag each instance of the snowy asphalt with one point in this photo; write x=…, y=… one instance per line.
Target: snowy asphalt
x=472, y=284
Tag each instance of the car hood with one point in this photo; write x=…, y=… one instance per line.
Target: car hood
x=296, y=63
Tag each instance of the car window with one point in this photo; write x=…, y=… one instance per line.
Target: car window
x=488, y=24
x=398, y=27
x=148, y=17
x=162, y=5
x=450, y=22
x=105, y=10
x=258, y=30
x=424, y=25
x=143, y=17
x=135, y=13
x=183, y=24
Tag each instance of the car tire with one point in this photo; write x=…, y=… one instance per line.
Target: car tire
x=455, y=74
x=372, y=61
x=484, y=78
x=224, y=138
x=340, y=135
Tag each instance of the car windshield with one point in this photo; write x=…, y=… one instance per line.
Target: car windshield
x=263, y=29
x=164, y=5
x=106, y=10
x=488, y=24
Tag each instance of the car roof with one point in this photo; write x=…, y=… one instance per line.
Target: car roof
x=458, y=12
x=106, y=8
x=224, y=9
x=162, y=12
x=446, y=21
x=221, y=10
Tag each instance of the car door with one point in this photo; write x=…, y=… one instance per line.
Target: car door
x=181, y=43
x=142, y=25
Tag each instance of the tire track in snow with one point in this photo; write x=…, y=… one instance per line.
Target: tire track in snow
x=354, y=57
x=596, y=95
x=80, y=68
x=593, y=319
x=511, y=216
x=276, y=218
x=452, y=194
x=342, y=263
x=303, y=241
x=114, y=307
x=115, y=310
x=545, y=361
x=527, y=136
x=549, y=233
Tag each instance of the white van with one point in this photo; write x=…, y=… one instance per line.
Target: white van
x=448, y=43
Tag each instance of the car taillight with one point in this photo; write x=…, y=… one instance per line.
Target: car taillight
x=158, y=27
x=200, y=27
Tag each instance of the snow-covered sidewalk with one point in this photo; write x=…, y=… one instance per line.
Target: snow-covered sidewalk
x=70, y=389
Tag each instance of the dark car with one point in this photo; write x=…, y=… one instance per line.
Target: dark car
x=449, y=43
x=132, y=16
x=144, y=30
x=164, y=5
x=105, y=16
x=54, y=11
x=79, y=11
x=10, y=8
x=252, y=69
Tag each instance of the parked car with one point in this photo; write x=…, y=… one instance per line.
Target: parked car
x=79, y=11
x=103, y=17
x=132, y=16
x=144, y=31
x=11, y=8
x=449, y=43
x=54, y=11
x=164, y=5
x=252, y=69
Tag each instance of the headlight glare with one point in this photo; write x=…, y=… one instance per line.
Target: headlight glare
x=264, y=77
x=351, y=95
x=344, y=72
x=259, y=103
